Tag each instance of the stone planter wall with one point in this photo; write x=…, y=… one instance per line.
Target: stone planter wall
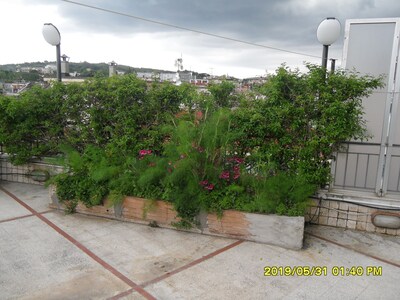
x=348, y=215
x=9, y=172
x=141, y=210
x=281, y=231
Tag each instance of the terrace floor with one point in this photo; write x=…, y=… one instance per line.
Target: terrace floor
x=45, y=254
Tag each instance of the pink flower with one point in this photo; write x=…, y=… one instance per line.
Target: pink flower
x=145, y=152
x=236, y=176
x=198, y=115
x=224, y=175
x=203, y=183
x=239, y=160
x=206, y=185
x=209, y=187
x=236, y=160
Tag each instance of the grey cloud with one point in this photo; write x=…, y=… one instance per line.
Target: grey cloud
x=278, y=23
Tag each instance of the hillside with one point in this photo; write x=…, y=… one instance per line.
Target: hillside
x=33, y=71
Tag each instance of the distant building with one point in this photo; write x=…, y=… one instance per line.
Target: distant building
x=15, y=88
x=70, y=79
x=24, y=69
x=65, y=65
x=144, y=75
x=49, y=69
x=170, y=76
x=112, y=69
x=186, y=76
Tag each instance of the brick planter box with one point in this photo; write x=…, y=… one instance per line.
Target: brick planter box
x=146, y=211
x=283, y=231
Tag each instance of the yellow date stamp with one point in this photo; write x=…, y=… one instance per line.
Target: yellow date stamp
x=322, y=271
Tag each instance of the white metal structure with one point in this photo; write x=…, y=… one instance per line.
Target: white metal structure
x=371, y=47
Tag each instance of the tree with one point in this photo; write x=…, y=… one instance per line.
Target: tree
x=302, y=120
x=31, y=125
x=222, y=93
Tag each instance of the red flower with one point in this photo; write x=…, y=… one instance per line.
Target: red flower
x=224, y=175
x=209, y=187
x=145, y=152
x=203, y=183
x=198, y=115
x=239, y=160
x=236, y=160
x=206, y=185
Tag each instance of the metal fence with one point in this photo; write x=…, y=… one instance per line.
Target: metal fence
x=363, y=166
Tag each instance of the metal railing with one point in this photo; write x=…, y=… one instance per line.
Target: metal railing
x=394, y=180
x=356, y=167
x=348, y=163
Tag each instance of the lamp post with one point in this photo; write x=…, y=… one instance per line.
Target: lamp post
x=53, y=37
x=327, y=33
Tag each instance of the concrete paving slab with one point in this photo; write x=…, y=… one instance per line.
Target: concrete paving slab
x=132, y=296
x=57, y=256
x=36, y=196
x=138, y=251
x=367, y=242
x=10, y=209
x=238, y=274
x=36, y=262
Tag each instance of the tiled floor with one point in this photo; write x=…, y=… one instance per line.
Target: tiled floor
x=49, y=255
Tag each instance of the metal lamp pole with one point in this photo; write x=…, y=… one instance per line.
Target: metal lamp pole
x=53, y=37
x=58, y=51
x=327, y=33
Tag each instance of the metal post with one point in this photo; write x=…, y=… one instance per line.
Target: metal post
x=58, y=62
x=333, y=64
x=325, y=56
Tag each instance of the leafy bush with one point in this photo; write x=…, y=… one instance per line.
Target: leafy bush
x=302, y=121
x=120, y=113
x=282, y=194
x=32, y=125
x=222, y=93
x=200, y=170
x=122, y=137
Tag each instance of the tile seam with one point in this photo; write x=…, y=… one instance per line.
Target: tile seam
x=80, y=246
x=357, y=251
x=180, y=269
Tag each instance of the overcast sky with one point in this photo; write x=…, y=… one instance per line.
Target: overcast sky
x=97, y=36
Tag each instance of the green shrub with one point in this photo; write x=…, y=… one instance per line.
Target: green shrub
x=121, y=137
